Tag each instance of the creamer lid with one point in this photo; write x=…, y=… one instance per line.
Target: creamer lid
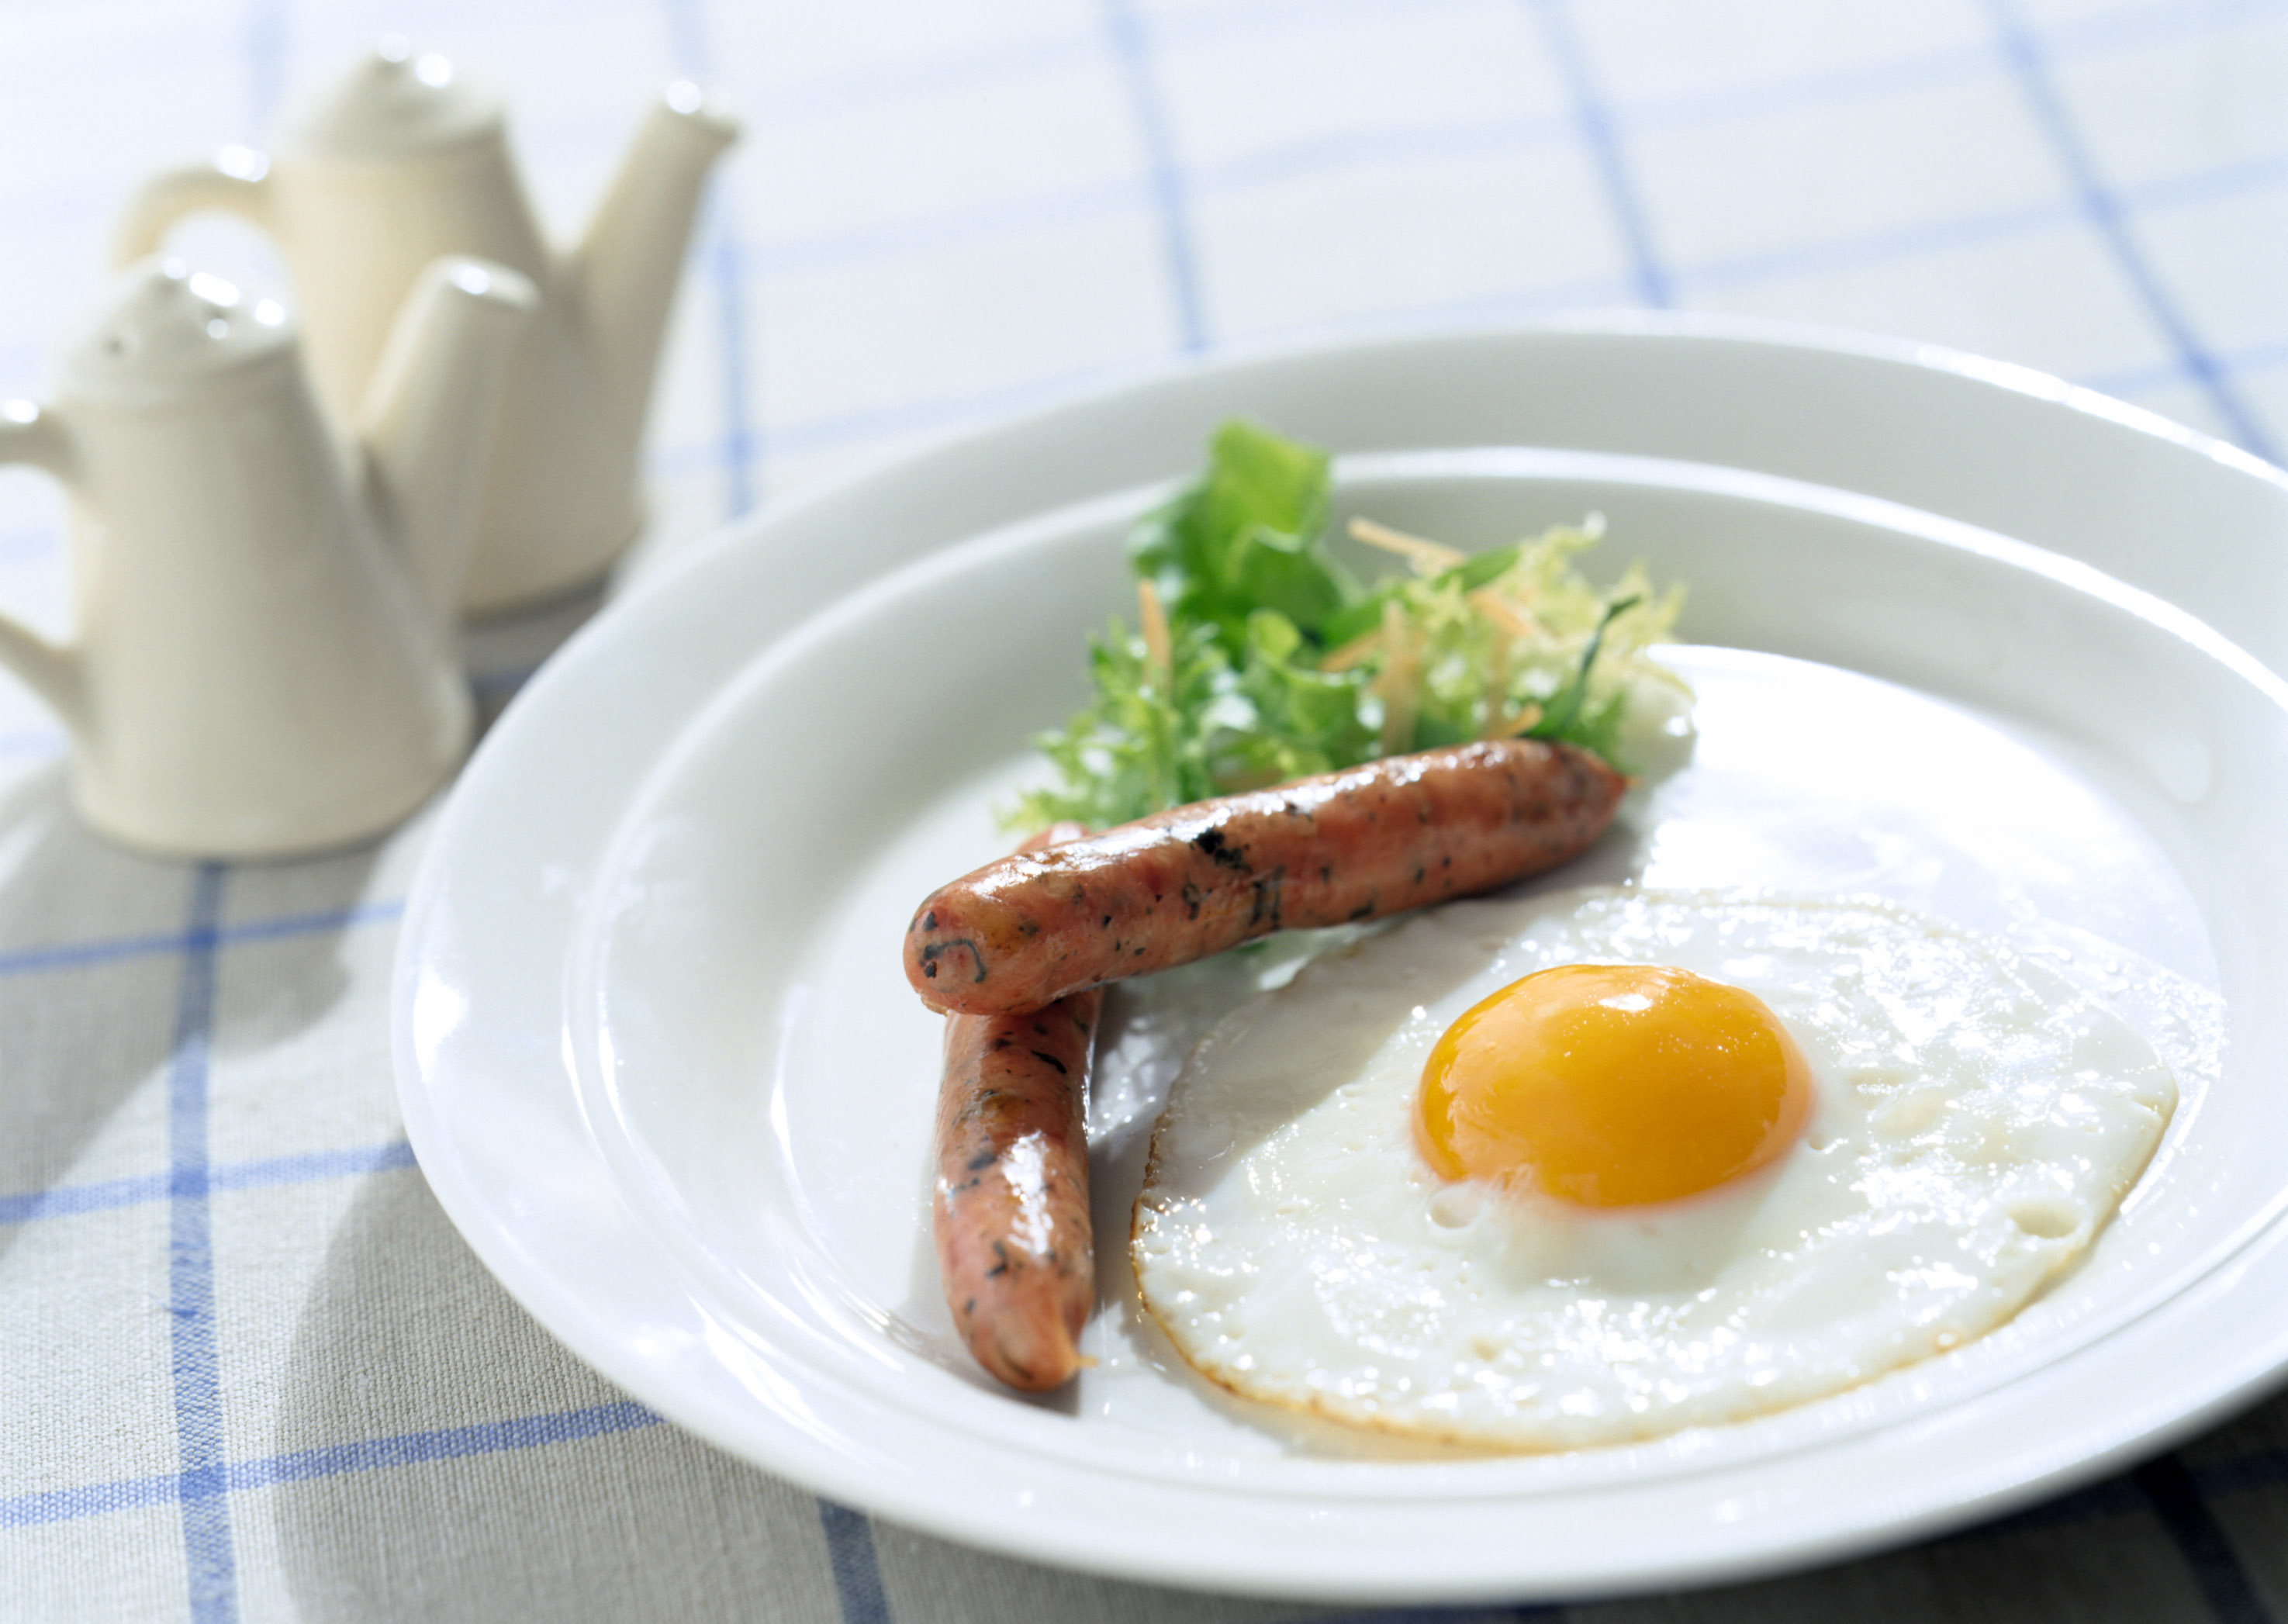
x=164, y=328
x=396, y=102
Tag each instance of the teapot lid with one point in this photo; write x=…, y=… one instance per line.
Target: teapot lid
x=396, y=102
x=165, y=328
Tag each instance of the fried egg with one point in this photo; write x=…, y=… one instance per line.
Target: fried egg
x=1601, y=1165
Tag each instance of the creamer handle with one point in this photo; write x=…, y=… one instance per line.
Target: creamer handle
x=235, y=180
x=35, y=436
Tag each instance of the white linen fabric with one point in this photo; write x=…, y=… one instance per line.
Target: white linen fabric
x=247, y=1368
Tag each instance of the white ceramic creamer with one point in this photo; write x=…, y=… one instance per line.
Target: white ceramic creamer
x=403, y=159
x=263, y=658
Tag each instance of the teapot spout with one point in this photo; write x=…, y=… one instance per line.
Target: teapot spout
x=625, y=268
x=428, y=416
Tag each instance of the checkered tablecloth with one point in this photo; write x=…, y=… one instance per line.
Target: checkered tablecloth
x=248, y=1370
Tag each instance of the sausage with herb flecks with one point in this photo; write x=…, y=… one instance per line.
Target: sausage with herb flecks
x=1011, y=1209
x=1371, y=840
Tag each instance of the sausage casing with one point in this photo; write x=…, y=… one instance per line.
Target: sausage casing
x=1392, y=834
x=1010, y=1214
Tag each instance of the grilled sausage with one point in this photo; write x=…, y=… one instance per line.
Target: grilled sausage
x=1371, y=840
x=1011, y=1211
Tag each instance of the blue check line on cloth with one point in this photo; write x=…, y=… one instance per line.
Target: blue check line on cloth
x=1131, y=55
x=856, y=1566
x=2210, y=185
x=2242, y=363
x=849, y=1537
x=1395, y=148
x=332, y=1460
x=741, y=452
x=1870, y=248
x=1071, y=205
x=1886, y=246
x=2115, y=1498
x=107, y=1195
x=831, y=96
x=1847, y=86
x=1252, y=22
x=2177, y=1501
x=837, y=93
x=207, y=1551
x=1593, y=117
x=72, y=956
x=2103, y=209
x=265, y=65
x=2164, y=1487
x=2138, y=28
x=1853, y=85
x=1964, y=230
x=210, y=1558
x=1078, y=205
x=1053, y=208
x=929, y=414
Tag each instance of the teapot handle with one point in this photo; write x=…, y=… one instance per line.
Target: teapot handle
x=236, y=180
x=30, y=435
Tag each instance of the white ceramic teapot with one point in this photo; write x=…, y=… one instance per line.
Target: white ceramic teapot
x=264, y=658
x=404, y=160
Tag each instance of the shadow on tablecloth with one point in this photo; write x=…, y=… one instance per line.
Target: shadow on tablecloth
x=407, y=1337
x=93, y=942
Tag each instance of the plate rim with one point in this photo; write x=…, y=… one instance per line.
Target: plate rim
x=553, y=1302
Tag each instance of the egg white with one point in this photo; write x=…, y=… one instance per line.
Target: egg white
x=1976, y=1120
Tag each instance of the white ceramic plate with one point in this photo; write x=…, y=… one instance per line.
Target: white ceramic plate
x=1964, y=637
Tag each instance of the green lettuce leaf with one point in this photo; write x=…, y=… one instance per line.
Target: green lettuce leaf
x=1246, y=537
x=1280, y=664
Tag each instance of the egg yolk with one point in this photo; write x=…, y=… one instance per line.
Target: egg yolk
x=1613, y=1085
